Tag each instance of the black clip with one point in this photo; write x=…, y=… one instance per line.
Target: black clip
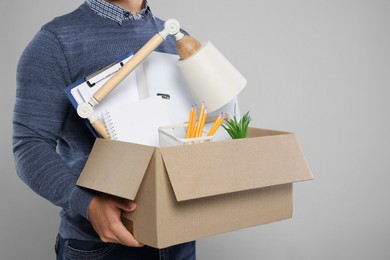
x=87, y=79
x=164, y=96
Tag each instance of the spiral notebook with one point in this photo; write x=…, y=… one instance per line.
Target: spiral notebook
x=137, y=122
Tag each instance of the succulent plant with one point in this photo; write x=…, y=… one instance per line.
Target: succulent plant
x=237, y=128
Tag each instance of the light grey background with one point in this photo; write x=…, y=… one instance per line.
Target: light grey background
x=318, y=68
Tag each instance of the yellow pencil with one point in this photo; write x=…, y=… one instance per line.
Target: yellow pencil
x=202, y=122
x=200, y=118
x=193, y=131
x=191, y=121
x=216, y=125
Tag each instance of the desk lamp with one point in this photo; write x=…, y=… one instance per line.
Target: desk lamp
x=209, y=75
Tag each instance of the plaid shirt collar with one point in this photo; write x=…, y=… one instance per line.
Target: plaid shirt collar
x=114, y=12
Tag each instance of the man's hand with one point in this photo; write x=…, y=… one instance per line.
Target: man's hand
x=104, y=213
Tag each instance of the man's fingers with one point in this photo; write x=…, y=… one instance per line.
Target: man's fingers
x=124, y=204
x=104, y=213
x=125, y=237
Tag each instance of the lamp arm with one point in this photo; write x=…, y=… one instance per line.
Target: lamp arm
x=100, y=128
x=171, y=27
x=127, y=68
x=85, y=110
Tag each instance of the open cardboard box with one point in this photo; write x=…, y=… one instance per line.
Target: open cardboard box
x=189, y=192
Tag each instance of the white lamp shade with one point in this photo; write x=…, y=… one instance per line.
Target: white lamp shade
x=211, y=77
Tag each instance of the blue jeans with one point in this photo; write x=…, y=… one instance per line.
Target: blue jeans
x=70, y=249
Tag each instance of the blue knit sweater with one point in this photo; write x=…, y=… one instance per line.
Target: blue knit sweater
x=51, y=143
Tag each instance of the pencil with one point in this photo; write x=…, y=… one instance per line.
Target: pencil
x=200, y=118
x=193, y=131
x=191, y=121
x=202, y=123
x=216, y=125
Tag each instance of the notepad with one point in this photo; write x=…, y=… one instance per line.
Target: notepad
x=137, y=122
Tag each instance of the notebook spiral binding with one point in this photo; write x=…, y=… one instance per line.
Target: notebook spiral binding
x=109, y=124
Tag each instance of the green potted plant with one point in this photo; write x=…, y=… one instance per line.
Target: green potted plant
x=237, y=128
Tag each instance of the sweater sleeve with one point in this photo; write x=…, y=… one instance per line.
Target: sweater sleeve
x=39, y=112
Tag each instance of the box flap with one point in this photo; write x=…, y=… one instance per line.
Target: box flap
x=268, y=158
x=116, y=167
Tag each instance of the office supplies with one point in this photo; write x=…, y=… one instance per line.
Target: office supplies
x=82, y=90
x=204, y=67
x=216, y=125
x=212, y=123
x=200, y=120
x=194, y=129
x=191, y=121
x=211, y=77
x=137, y=122
x=174, y=135
x=157, y=75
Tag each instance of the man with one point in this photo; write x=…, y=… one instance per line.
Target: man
x=51, y=143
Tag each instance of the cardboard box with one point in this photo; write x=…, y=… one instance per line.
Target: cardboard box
x=189, y=192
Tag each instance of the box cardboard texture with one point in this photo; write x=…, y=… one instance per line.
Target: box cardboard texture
x=189, y=192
